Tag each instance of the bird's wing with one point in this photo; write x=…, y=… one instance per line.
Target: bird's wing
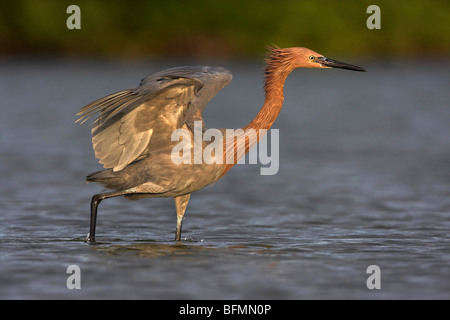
x=129, y=119
x=213, y=79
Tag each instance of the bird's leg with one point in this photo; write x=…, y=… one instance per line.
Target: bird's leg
x=180, y=204
x=96, y=199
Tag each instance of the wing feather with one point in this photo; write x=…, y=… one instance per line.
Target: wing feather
x=93, y=107
x=129, y=120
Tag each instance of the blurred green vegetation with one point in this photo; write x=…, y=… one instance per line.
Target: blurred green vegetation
x=223, y=28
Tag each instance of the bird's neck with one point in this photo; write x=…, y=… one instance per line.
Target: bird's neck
x=257, y=128
x=271, y=107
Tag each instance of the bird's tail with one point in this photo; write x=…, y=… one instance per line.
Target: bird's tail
x=104, y=177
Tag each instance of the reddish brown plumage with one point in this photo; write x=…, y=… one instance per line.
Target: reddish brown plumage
x=279, y=63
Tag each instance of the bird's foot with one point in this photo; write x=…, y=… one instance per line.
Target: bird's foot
x=89, y=238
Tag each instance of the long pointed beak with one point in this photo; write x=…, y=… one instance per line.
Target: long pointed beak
x=327, y=62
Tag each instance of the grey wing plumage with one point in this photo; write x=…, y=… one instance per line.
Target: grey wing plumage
x=129, y=119
x=213, y=79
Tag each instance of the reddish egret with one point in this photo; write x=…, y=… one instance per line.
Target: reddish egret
x=132, y=134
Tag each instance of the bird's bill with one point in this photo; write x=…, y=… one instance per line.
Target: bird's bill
x=330, y=63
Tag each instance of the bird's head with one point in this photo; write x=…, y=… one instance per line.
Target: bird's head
x=289, y=59
x=316, y=60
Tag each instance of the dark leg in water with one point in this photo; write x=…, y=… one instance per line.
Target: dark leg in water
x=96, y=199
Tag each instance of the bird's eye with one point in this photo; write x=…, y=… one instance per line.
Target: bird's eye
x=311, y=58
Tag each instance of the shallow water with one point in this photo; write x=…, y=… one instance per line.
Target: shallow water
x=363, y=180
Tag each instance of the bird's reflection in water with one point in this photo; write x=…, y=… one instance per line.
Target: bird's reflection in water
x=151, y=248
